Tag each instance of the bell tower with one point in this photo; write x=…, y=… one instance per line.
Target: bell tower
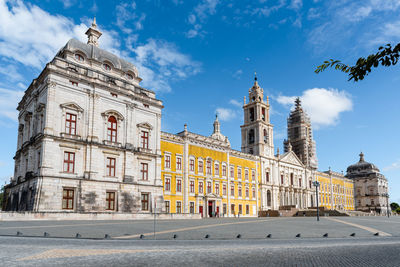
x=257, y=131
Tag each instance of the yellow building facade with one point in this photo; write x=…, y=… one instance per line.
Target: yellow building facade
x=204, y=175
x=335, y=191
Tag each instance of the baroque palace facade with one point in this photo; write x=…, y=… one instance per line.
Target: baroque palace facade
x=90, y=140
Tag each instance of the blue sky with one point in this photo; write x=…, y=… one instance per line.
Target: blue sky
x=200, y=58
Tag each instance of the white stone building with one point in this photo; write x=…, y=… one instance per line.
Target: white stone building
x=89, y=136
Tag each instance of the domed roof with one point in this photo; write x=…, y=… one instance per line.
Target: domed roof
x=361, y=167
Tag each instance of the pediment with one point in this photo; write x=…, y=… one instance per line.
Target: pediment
x=72, y=106
x=114, y=113
x=290, y=157
x=145, y=125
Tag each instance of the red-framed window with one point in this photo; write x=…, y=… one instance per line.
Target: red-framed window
x=239, y=173
x=217, y=189
x=179, y=185
x=224, y=189
x=247, y=209
x=209, y=187
x=281, y=178
x=200, y=187
x=110, y=167
x=240, y=208
x=240, y=191
x=267, y=177
x=167, y=207
x=232, y=190
x=144, y=139
x=191, y=207
x=253, y=176
x=79, y=58
x=167, y=159
x=246, y=175
x=209, y=166
x=201, y=167
x=70, y=124
x=69, y=162
x=232, y=172
x=145, y=171
x=291, y=179
x=223, y=170
x=112, y=129
x=299, y=182
x=68, y=199
x=247, y=192
x=191, y=186
x=145, y=201
x=110, y=200
x=254, y=192
x=216, y=169
x=167, y=184
x=179, y=164
x=191, y=165
x=178, y=207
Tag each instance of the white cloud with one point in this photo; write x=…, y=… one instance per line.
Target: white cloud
x=9, y=100
x=235, y=103
x=32, y=36
x=226, y=114
x=166, y=60
x=296, y=4
x=126, y=13
x=323, y=105
x=199, y=15
x=394, y=166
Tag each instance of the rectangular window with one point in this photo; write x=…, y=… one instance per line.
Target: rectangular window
x=178, y=164
x=267, y=177
x=217, y=189
x=69, y=162
x=200, y=187
x=253, y=176
x=110, y=167
x=145, y=201
x=145, y=171
x=216, y=173
x=254, y=192
x=70, y=124
x=209, y=166
x=167, y=184
x=224, y=170
x=145, y=139
x=110, y=200
x=167, y=161
x=233, y=209
x=247, y=192
x=191, y=207
x=38, y=160
x=178, y=185
x=232, y=190
x=208, y=187
x=200, y=167
x=263, y=114
x=299, y=182
x=246, y=175
x=191, y=165
x=291, y=179
x=232, y=172
x=167, y=208
x=224, y=208
x=191, y=186
x=247, y=209
x=240, y=208
x=68, y=199
x=240, y=191
x=178, y=207
x=281, y=178
x=224, y=189
x=239, y=173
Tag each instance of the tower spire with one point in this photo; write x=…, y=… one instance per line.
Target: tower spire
x=93, y=34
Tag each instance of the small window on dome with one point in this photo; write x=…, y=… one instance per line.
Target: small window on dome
x=79, y=58
x=129, y=76
x=106, y=67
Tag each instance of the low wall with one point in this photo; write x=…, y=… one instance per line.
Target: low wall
x=29, y=216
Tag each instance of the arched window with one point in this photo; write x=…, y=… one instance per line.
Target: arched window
x=269, y=198
x=112, y=129
x=251, y=136
x=265, y=136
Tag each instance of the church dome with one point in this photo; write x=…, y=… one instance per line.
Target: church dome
x=361, y=167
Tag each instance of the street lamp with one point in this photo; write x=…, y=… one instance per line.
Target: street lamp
x=316, y=184
x=387, y=203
